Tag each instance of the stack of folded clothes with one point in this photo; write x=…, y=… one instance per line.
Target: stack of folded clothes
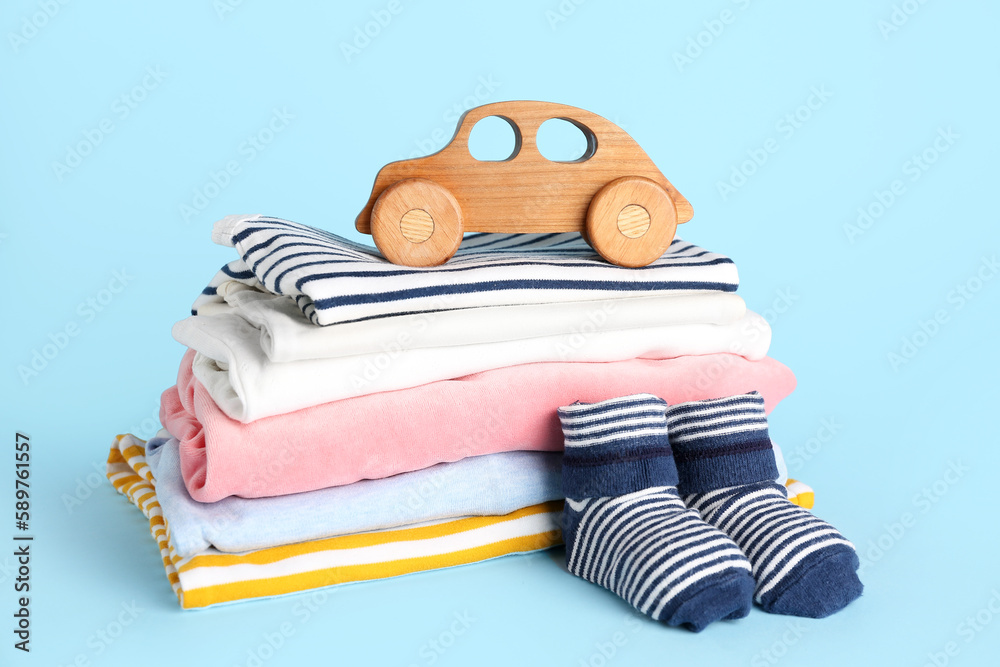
x=339, y=418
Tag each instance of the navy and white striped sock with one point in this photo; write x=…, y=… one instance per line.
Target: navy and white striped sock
x=625, y=526
x=803, y=566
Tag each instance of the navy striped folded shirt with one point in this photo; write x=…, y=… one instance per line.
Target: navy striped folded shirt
x=334, y=280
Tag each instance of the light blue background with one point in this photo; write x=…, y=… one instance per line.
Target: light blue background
x=899, y=429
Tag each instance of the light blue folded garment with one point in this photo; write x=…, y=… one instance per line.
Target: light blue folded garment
x=491, y=484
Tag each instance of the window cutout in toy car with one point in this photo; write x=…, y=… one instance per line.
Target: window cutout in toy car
x=494, y=139
x=562, y=140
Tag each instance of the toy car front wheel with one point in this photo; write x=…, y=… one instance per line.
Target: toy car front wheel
x=631, y=221
x=416, y=222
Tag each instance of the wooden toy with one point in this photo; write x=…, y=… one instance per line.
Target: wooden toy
x=614, y=195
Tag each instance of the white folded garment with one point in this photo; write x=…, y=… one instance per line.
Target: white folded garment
x=333, y=280
x=287, y=335
x=247, y=385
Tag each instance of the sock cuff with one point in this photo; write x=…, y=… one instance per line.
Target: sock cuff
x=616, y=447
x=721, y=442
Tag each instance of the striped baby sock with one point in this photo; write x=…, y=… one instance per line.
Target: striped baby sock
x=625, y=526
x=802, y=565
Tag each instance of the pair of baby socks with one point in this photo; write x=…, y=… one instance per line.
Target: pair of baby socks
x=676, y=510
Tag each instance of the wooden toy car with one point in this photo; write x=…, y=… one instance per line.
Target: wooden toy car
x=614, y=195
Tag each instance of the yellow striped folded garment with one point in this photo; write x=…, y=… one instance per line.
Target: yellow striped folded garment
x=800, y=493
x=213, y=577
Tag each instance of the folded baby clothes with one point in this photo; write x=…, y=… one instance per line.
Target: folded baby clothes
x=211, y=577
x=286, y=335
x=208, y=577
x=378, y=435
x=249, y=386
x=334, y=280
x=494, y=484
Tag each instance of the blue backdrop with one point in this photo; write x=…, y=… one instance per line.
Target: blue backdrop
x=844, y=154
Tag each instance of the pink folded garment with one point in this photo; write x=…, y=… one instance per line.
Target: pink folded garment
x=378, y=435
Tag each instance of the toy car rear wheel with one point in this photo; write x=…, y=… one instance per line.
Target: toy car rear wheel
x=416, y=222
x=631, y=221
